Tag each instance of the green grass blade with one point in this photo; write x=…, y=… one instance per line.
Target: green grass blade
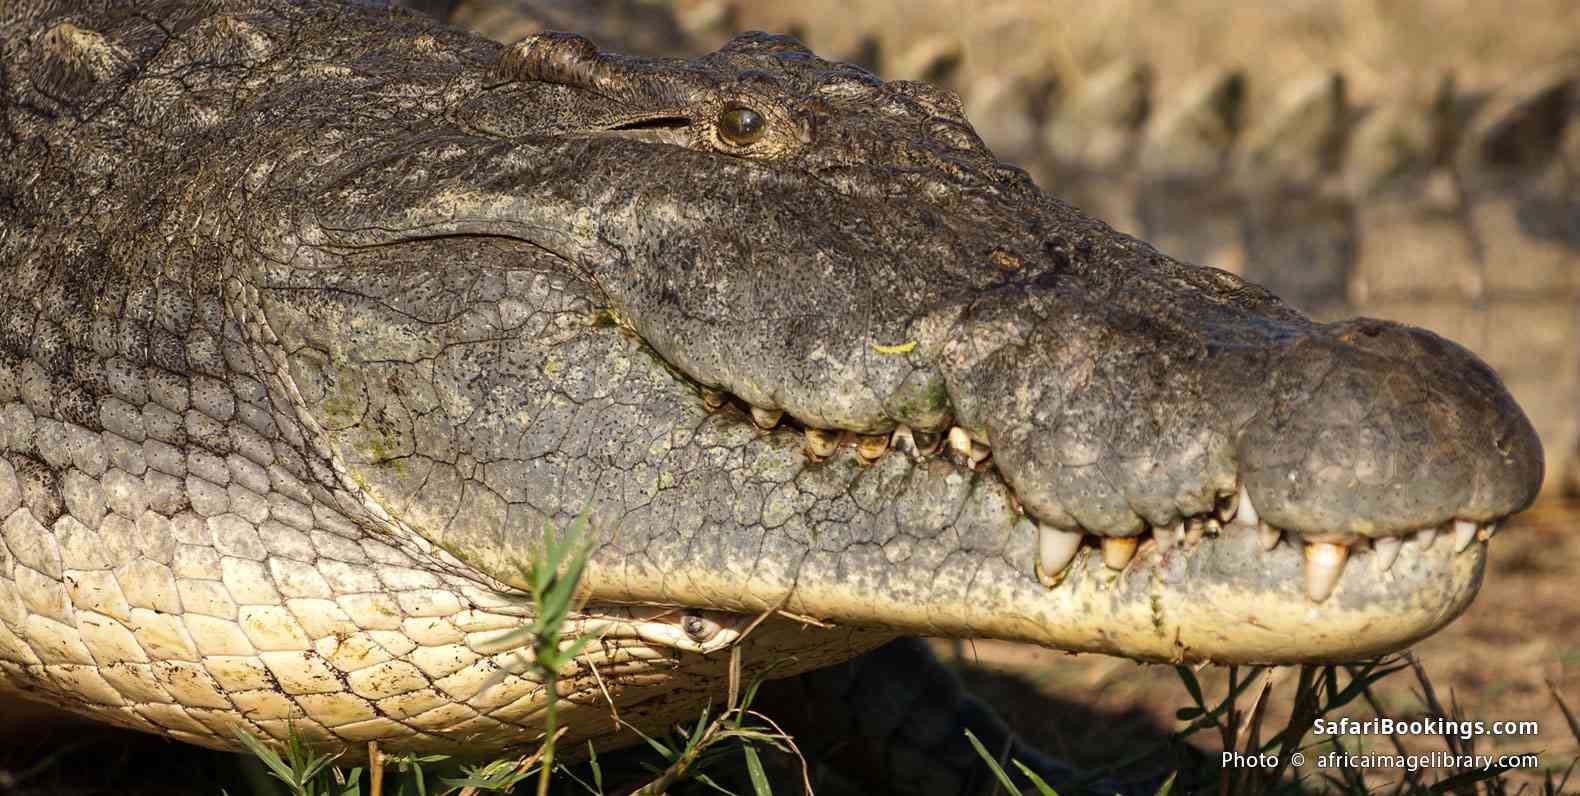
x=1042, y=786
x=707, y=780
x=992, y=763
x=754, y=770
x=270, y=758
x=1168, y=785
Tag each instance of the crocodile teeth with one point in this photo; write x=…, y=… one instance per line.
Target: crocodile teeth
x=903, y=439
x=1268, y=535
x=1229, y=505
x=1164, y=537
x=766, y=419
x=927, y=442
x=1464, y=534
x=713, y=399
x=916, y=444
x=1324, y=565
x=1247, y=514
x=821, y=443
x=1487, y=531
x=1118, y=550
x=1426, y=536
x=1387, y=548
x=872, y=447
x=1055, y=550
x=959, y=441
x=979, y=453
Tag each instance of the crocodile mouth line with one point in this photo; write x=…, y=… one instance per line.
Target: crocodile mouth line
x=1325, y=554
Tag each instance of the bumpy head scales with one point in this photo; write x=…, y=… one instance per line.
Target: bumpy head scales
x=843, y=259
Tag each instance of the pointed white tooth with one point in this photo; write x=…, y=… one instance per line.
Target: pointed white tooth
x=1268, y=535
x=959, y=441
x=1247, y=514
x=713, y=399
x=1426, y=536
x=1164, y=537
x=1387, y=548
x=872, y=447
x=1464, y=534
x=1229, y=505
x=1118, y=550
x=927, y=442
x=979, y=453
x=1055, y=550
x=1487, y=531
x=766, y=419
x=1324, y=565
x=821, y=443
x=903, y=440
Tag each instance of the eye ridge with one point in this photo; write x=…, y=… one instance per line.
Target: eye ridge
x=742, y=126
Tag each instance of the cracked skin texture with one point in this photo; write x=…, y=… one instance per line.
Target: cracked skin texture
x=313, y=315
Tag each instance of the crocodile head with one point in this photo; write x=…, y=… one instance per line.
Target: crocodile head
x=797, y=340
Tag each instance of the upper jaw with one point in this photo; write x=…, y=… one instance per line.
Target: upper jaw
x=1177, y=405
x=1109, y=427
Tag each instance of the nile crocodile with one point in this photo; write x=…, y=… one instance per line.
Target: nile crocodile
x=313, y=315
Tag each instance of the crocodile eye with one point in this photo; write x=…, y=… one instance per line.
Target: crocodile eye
x=742, y=126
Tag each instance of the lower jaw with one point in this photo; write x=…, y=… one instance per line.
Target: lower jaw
x=1228, y=600
x=1224, y=599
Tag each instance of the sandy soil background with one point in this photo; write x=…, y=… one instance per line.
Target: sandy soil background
x=1384, y=47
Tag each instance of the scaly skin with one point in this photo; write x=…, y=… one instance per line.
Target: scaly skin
x=313, y=316
x=1451, y=210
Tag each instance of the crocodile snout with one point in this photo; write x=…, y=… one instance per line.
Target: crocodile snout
x=1377, y=429
x=1173, y=403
